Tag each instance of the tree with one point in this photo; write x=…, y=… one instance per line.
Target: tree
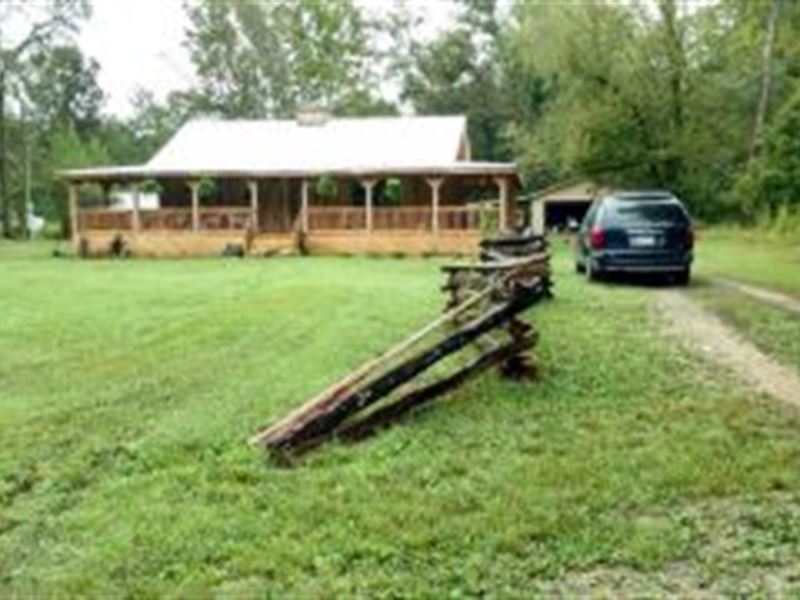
x=61, y=88
x=67, y=151
x=460, y=72
x=772, y=180
x=600, y=119
x=153, y=122
x=259, y=58
x=24, y=29
x=766, y=81
x=641, y=94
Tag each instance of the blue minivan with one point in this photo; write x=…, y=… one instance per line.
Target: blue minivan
x=636, y=232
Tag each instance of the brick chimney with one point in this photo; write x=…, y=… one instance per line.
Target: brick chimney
x=311, y=116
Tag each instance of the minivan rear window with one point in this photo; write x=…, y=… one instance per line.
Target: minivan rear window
x=647, y=212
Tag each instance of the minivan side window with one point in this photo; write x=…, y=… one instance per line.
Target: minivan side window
x=590, y=215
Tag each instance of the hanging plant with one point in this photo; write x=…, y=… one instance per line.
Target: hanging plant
x=393, y=191
x=325, y=188
x=207, y=188
x=152, y=186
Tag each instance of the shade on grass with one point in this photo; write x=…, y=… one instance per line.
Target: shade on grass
x=128, y=389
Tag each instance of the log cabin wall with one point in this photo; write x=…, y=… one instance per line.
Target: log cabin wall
x=180, y=244
x=278, y=204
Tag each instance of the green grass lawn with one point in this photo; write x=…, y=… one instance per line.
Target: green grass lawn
x=128, y=389
x=750, y=257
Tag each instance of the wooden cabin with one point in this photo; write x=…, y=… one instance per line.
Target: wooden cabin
x=352, y=185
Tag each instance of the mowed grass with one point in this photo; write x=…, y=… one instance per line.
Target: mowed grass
x=128, y=389
x=750, y=257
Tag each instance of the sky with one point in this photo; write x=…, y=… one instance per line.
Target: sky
x=139, y=43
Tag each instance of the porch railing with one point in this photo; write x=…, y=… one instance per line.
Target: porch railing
x=225, y=218
x=166, y=218
x=320, y=218
x=407, y=218
x=401, y=218
x=458, y=218
x=336, y=218
x=104, y=219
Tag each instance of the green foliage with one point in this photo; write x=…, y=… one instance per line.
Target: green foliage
x=43, y=84
x=488, y=219
x=67, y=151
x=392, y=191
x=459, y=72
x=266, y=58
x=152, y=186
x=207, y=188
x=640, y=96
x=325, y=188
x=153, y=123
x=771, y=185
x=62, y=89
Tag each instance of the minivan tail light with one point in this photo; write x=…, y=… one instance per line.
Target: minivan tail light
x=597, y=238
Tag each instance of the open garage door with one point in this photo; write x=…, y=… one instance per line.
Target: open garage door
x=558, y=215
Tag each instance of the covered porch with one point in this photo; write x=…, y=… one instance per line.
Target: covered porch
x=438, y=211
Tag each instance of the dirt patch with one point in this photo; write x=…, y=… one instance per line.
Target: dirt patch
x=704, y=332
x=770, y=297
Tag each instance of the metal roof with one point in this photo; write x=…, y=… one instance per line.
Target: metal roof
x=286, y=148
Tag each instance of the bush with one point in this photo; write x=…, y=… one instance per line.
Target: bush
x=769, y=188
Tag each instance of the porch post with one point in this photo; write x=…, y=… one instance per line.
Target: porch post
x=73, y=211
x=135, y=217
x=106, y=193
x=502, y=184
x=253, y=187
x=368, y=184
x=195, y=187
x=304, y=207
x=435, y=183
x=537, y=215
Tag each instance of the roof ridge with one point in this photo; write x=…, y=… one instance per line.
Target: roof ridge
x=212, y=119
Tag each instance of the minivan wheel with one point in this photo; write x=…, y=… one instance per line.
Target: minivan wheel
x=592, y=274
x=580, y=267
x=684, y=277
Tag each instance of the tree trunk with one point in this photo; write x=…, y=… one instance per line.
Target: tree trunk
x=5, y=212
x=757, y=143
x=676, y=57
x=27, y=195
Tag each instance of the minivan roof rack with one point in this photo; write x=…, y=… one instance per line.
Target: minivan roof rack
x=643, y=195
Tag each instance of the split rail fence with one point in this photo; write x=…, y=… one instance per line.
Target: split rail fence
x=481, y=328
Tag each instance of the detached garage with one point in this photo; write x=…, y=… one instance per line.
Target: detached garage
x=555, y=207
